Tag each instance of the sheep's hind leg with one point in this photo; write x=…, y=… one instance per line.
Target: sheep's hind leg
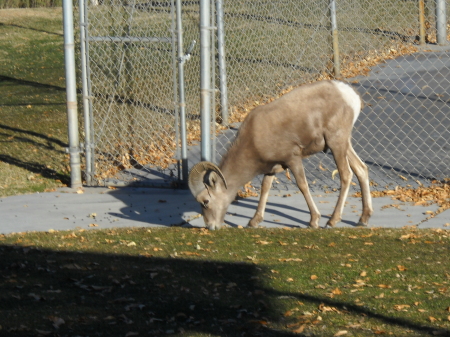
x=345, y=174
x=362, y=173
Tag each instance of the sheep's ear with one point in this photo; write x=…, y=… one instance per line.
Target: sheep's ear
x=203, y=175
x=212, y=178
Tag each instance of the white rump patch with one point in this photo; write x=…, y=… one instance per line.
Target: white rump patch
x=351, y=97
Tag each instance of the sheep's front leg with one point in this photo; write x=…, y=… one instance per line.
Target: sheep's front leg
x=265, y=188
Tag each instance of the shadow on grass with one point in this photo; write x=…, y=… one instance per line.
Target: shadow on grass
x=37, y=168
x=50, y=140
x=33, y=84
x=29, y=28
x=118, y=295
x=33, y=166
x=18, y=136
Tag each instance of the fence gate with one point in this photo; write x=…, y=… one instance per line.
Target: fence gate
x=129, y=62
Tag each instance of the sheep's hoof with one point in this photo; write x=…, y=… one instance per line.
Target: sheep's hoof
x=254, y=223
x=329, y=225
x=361, y=224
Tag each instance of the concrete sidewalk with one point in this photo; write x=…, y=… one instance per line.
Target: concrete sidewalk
x=144, y=207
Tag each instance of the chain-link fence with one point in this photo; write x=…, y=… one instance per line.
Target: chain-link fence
x=403, y=134
x=129, y=51
x=386, y=49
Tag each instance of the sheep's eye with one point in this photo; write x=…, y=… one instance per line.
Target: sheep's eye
x=205, y=204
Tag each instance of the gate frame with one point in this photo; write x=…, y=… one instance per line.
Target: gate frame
x=178, y=88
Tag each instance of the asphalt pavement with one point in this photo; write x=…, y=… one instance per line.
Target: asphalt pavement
x=100, y=208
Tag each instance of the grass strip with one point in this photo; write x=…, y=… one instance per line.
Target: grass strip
x=232, y=282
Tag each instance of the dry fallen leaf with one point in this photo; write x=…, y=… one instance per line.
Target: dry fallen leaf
x=288, y=313
x=290, y=259
x=333, y=174
x=401, y=307
x=300, y=329
x=340, y=333
x=249, y=191
x=378, y=332
x=314, y=277
x=336, y=291
x=57, y=322
x=324, y=308
x=36, y=297
x=437, y=193
x=288, y=174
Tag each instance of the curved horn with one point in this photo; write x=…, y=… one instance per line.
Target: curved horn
x=197, y=174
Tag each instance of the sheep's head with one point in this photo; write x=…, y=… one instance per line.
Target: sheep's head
x=209, y=187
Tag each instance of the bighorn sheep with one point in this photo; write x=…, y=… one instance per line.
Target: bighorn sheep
x=276, y=136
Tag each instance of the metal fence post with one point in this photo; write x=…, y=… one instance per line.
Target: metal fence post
x=422, y=22
x=182, y=58
x=205, y=79
x=222, y=64
x=71, y=95
x=86, y=98
x=334, y=32
x=441, y=22
x=176, y=102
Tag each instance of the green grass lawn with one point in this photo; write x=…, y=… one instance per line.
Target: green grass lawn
x=232, y=282
x=33, y=122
